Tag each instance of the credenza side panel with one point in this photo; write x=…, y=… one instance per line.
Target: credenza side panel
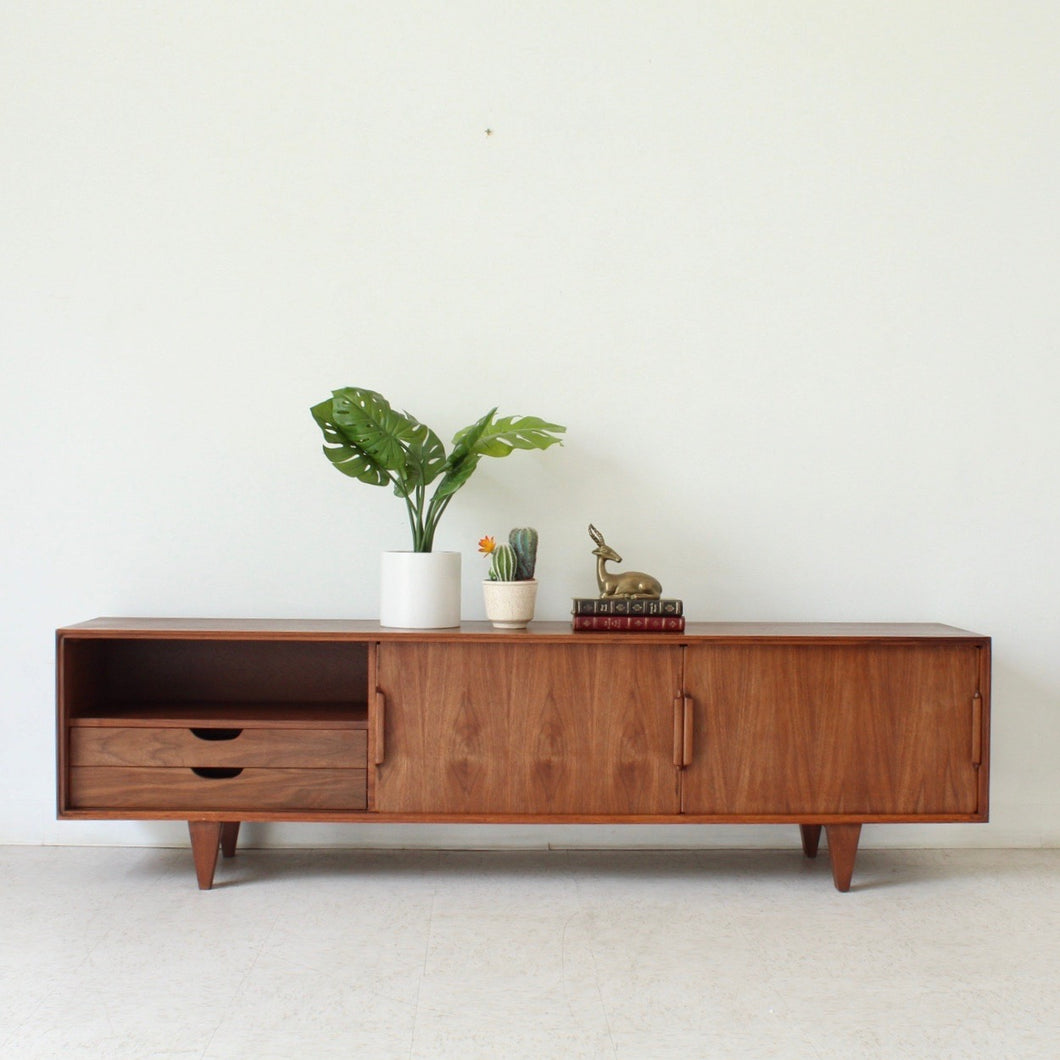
x=527, y=728
x=867, y=729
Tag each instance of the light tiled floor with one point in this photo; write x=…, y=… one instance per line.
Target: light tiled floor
x=640, y=955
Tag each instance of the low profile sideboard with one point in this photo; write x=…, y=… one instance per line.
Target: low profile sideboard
x=222, y=721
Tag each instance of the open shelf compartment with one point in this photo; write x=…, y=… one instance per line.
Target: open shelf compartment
x=130, y=681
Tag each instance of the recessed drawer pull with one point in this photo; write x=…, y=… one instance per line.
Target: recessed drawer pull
x=216, y=772
x=217, y=734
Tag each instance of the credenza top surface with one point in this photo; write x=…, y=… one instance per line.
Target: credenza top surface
x=537, y=632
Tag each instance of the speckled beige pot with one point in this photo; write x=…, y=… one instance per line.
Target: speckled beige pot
x=510, y=605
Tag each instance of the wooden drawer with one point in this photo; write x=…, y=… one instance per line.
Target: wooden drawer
x=216, y=788
x=210, y=746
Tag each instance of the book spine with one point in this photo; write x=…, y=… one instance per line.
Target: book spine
x=630, y=623
x=621, y=605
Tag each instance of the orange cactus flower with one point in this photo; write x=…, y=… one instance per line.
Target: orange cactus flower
x=486, y=545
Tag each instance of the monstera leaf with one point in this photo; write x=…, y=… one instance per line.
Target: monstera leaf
x=370, y=441
x=489, y=437
x=516, y=432
x=366, y=439
x=344, y=454
x=464, y=459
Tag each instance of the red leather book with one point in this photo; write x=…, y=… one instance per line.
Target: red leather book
x=630, y=623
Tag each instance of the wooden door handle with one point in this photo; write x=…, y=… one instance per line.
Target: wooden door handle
x=679, y=731
x=683, y=718
x=379, y=727
x=687, y=716
x=977, y=729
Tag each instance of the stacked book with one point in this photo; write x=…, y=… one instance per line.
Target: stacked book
x=627, y=615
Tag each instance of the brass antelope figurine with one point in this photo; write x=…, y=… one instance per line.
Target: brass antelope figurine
x=633, y=583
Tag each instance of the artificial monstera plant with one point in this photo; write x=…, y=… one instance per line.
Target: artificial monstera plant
x=370, y=441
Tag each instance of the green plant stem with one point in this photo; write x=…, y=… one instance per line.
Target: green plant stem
x=412, y=509
x=417, y=533
x=434, y=513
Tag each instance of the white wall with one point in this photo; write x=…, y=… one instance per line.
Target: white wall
x=788, y=272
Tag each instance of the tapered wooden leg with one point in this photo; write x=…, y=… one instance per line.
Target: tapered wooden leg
x=842, y=850
x=811, y=838
x=229, y=835
x=205, y=839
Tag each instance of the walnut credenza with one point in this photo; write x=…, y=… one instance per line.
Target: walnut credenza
x=222, y=721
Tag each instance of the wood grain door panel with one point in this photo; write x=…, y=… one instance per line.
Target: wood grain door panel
x=859, y=729
x=528, y=729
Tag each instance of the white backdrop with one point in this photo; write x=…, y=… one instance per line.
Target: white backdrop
x=787, y=271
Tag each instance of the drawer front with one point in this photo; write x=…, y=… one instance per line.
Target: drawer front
x=211, y=746
x=141, y=788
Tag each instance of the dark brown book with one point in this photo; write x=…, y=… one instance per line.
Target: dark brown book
x=626, y=605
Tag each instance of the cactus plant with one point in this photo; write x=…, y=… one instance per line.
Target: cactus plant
x=523, y=540
x=504, y=565
x=511, y=589
x=514, y=562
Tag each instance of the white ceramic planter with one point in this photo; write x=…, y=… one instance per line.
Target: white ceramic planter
x=510, y=605
x=420, y=590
